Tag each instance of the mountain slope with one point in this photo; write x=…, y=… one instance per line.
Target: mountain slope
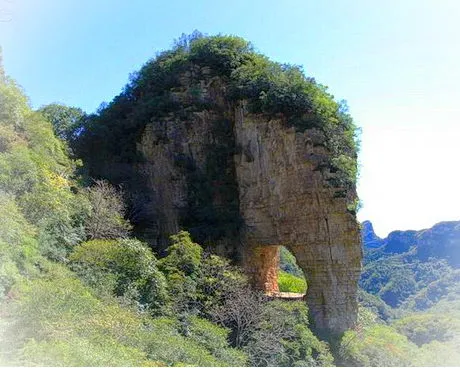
x=412, y=268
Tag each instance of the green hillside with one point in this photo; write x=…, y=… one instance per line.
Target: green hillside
x=77, y=288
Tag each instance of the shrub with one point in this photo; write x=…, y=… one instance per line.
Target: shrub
x=18, y=248
x=439, y=354
x=78, y=351
x=376, y=345
x=106, y=218
x=282, y=338
x=291, y=283
x=58, y=321
x=181, y=267
x=125, y=267
x=36, y=170
x=425, y=328
x=217, y=281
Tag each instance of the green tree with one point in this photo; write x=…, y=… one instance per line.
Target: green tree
x=376, y=345
x=181, y=266
x=427, y=327
x=65, y=120
x=199, y=282
x=217, y=281
x=126, y=268
x=36, y=169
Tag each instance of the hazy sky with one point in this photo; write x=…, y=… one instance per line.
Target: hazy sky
x=397, y=63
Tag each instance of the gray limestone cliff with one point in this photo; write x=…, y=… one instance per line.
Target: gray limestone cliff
x=271, y=172
x=245, y=154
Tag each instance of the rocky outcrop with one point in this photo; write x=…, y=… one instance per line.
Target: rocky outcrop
x=259, y=183
x=244, y=153
x=285, y=200
x=369, y=237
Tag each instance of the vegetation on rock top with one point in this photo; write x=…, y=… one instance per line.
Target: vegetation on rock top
x=169, y=89
x=78, y=289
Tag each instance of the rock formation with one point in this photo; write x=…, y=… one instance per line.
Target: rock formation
x=283, y=200
x=244, y=183
x=368, y=236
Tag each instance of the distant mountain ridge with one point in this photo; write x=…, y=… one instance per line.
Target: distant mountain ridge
x=441, y=241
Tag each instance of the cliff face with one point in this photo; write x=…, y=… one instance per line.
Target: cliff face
x=260, y=185
x=247, y=155
x=285, y=200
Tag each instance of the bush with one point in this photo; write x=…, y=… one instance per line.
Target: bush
x=282, y=338
x=56, y=320
x=125, y=267
x=291, y=284
x=425, y=328
x=183, y=256
x=198, y=282
x=376, y=345
x=169, y=341
x=214, y=339
x=36, y=170
x=217, y=281
x=106, y=218
x=18, y=247
x=77, y=351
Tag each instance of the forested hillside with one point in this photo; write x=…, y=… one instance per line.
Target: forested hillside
x=413, y=269
x=77, y=288
x=411, y=280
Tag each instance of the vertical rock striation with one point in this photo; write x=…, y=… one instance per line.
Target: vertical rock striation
x=282, y=198
x=247, y=155
x=285, y=200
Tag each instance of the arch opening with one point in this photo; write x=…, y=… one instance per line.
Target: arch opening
x=291, y=279
x=274, y=270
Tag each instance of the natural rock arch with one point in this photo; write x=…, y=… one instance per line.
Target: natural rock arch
x=283, y=199
x=246, y=155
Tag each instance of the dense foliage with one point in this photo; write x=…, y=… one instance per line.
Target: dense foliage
x=413, y=270
x=412, y=302
x=64, y=119
x=78, y=289
x=170, y=89
x=67, y=295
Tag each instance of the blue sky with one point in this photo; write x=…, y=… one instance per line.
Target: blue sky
x=397, y=63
